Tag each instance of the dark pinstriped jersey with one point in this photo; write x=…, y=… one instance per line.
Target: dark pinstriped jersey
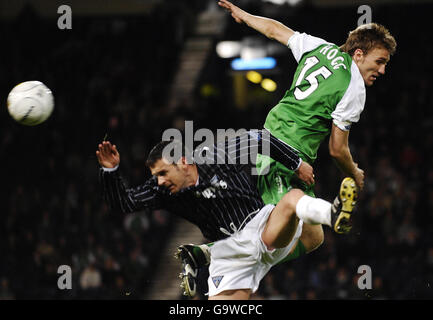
x=225, y=197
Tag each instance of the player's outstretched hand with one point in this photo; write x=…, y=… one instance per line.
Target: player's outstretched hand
x=107, y=155
x=236, y=12
x=305, y=173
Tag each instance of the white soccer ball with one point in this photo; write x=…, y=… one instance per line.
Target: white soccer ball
x=30, y=103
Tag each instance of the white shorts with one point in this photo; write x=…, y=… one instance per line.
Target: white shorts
x=242, y=260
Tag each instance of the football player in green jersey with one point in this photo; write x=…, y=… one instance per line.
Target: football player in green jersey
x=327, y=95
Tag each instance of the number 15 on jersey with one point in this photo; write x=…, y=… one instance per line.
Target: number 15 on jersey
x=311, y=78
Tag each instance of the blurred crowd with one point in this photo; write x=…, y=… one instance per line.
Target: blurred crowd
x=111, y=75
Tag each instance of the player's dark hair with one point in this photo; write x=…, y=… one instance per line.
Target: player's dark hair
x=171, y=151
x=367, y=37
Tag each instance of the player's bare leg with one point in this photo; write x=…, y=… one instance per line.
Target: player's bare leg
x=282, y=222
x=312, y=236
x=239, y=294
x=295, y=205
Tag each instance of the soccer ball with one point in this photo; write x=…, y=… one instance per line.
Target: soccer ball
x=30, y=103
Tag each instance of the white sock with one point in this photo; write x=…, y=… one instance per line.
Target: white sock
x=314, y=211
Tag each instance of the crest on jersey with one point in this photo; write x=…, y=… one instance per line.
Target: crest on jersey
x=214, y=180
x=217, y=183
x=217, y=280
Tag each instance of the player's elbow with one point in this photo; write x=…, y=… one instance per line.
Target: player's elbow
x=336, y=151
x=271, y=31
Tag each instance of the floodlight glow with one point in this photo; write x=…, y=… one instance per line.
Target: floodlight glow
x=254, y=64
x=254, y=76
x=255, y=52
x=228, y=49
x=269, y=85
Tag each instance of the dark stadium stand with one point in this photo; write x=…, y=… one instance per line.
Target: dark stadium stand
x=108, y=75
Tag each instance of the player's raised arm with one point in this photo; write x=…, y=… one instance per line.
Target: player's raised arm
x=117, y=196
x=339, y=150
x=270, y=28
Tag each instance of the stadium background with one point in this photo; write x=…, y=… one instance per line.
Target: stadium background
x=117, y=72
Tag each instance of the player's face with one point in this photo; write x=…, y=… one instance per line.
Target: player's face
x=371, y=65
x=169, y=175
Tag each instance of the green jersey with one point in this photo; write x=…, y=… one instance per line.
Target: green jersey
x=327, y=87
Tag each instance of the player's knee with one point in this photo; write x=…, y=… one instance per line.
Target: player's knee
x=291, y=198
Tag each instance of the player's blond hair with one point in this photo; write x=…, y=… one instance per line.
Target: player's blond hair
x=367, y=37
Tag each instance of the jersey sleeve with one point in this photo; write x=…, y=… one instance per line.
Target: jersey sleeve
x=301, y=43
x=349, y=108
x=263, y=142
x=122, y=199
x=241, y=151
